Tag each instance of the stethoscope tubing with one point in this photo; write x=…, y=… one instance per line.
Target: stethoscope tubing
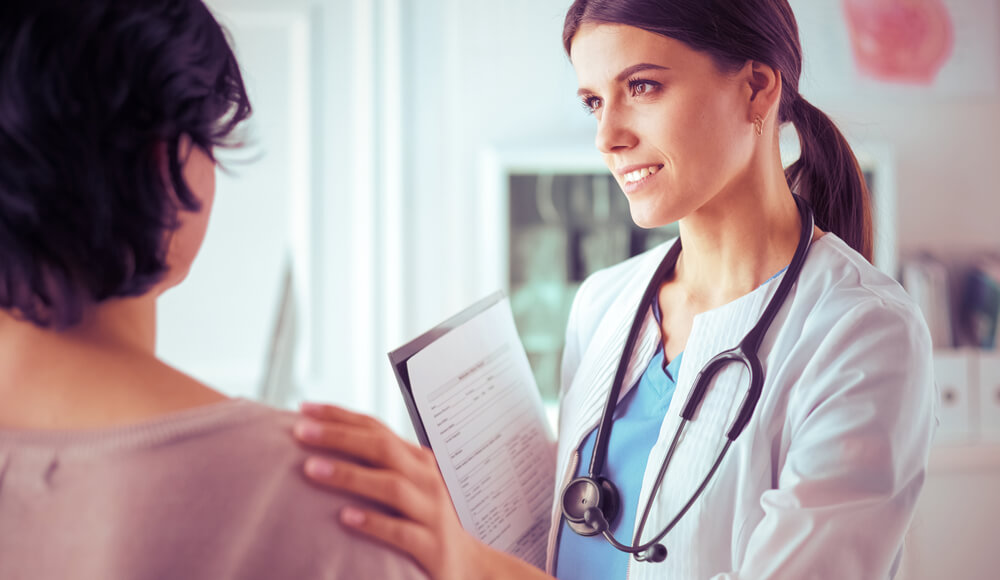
x=680, y=514
x=600, y=452
x=744, y=353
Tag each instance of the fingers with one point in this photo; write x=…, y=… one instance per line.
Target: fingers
x=403, y=535
x=370, y=443
x=379, y=447
x=355, y=434
x=385, y=487
x=323, y=412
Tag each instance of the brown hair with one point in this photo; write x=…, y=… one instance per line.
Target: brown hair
x=733, y=32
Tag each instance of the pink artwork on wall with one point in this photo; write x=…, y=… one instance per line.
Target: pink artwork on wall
x=900, y=41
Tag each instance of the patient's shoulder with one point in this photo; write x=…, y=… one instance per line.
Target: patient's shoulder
x=288, y=527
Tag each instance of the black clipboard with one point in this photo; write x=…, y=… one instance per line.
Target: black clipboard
x=399, y=357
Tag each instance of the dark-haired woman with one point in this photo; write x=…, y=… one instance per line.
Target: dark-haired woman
x=112, y=463
x=823, y=469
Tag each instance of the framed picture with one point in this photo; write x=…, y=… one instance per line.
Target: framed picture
x=563, y=218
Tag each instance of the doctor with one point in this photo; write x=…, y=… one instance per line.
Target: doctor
x=831, y=393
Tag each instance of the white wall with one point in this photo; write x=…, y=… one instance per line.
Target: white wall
x=482, y=75
x=217, y=324
x=944, y=137
x=316, y=193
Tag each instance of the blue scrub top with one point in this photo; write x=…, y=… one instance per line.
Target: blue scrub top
x=637, y=421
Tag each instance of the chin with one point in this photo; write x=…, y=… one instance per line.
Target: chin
x=647, y=218
x=173, y=277
x=646, y=224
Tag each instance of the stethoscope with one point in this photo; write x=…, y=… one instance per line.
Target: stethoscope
x=591, y=501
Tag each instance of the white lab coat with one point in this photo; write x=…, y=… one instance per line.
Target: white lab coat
x=823, y=481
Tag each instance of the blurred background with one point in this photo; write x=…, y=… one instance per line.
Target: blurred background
x=410, y=157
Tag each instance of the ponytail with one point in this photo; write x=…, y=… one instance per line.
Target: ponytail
x=828, y=175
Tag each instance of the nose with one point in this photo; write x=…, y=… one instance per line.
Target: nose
x=614, y=133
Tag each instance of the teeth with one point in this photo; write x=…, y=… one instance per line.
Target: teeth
x=640, y=173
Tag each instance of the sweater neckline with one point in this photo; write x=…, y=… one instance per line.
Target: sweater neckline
x=159, y=429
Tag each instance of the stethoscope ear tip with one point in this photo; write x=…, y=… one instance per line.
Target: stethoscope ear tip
x=655, y=554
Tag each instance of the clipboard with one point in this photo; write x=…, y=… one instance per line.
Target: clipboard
x=398, y=358
x=473, y=399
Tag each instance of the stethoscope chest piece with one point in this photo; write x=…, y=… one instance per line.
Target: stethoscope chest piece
x=590, y=505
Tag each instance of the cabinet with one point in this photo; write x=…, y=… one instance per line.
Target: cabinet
x=954, y=529
x=953, y=533
x=969, y=385
x=988, y=390
x=952, y=373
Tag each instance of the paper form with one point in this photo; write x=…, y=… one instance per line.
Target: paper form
x=484, y=419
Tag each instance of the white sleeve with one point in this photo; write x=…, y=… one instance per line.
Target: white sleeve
x=860, y=419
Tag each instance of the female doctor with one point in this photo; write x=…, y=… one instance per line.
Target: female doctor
x=801, y=452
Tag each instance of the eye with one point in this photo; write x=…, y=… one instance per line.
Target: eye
x=642, y=87
x=590, y=103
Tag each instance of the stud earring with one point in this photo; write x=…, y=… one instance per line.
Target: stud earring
x=758, y=125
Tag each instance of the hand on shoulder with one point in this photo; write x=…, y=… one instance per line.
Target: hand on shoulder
x=404, y=478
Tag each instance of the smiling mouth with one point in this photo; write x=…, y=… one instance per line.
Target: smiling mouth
x=639, y=174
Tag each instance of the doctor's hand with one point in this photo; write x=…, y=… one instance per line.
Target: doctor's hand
x=404, y=478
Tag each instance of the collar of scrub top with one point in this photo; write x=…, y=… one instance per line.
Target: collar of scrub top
x=744, y=353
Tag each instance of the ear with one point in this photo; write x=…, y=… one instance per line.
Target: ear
x=184, y=147
x=764, y=84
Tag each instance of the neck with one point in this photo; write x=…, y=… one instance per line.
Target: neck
x=128, y=323
x=123, y=323
x=102, y=372
x=126, y=326
x=738, y=240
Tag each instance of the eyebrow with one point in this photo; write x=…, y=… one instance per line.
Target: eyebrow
x=627, y=72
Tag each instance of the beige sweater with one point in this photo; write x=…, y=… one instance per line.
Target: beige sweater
x=212, y=492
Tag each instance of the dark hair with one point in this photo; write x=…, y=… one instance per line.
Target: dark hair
x=91, y=95
x=733, y=32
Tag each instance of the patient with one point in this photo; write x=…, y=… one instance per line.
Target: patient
x=112, y=463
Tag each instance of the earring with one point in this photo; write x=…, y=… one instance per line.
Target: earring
x=758, y=125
